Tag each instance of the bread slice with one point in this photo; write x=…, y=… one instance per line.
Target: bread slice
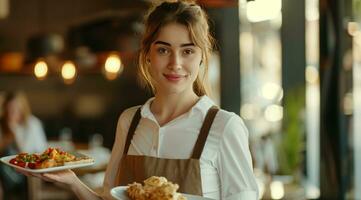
x=79, y=160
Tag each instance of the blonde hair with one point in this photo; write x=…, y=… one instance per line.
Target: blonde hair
x=195, y=19
x=25, y=109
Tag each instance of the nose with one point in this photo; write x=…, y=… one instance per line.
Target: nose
x=175, y=62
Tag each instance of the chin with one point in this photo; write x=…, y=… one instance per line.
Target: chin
x=174, y=90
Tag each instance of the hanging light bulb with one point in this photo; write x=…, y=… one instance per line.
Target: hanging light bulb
x=40, y=69
x=113, y=66
x=68, y=72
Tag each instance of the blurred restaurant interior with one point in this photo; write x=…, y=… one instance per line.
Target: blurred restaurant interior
x=291, y=69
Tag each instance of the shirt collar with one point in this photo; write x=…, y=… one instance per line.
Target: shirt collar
x=202, y=106
x=145, y=110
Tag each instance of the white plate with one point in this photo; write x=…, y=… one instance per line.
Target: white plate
x=120, y=193
x=6, y=160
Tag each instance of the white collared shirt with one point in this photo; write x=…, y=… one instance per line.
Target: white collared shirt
x=226, y=163
x=30, y=137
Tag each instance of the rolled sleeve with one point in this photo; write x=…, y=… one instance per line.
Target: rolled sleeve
x=234, y=163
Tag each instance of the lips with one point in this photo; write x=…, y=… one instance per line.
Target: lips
x=173, y=77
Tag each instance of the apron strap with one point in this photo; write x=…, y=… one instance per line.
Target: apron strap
x=131, y=130
x=201, y=141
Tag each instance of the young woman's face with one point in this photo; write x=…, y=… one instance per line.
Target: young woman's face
x=174, y=60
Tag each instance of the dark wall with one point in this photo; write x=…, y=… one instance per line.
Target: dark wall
x=90, y=105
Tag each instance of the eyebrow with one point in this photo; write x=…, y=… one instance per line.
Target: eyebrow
x=167, y=44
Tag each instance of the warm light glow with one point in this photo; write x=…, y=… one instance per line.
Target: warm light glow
x=271, y=91
x=249, y=111
x=277, y=190
x=262, y=10
x=311, y=74
x=113, y=64
x=273, y=113
x=4, y=8
x=110, y=76
x=113, y=67
x=68, y=71
x=40, y=70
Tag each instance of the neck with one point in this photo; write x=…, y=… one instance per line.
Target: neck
x=165, y=108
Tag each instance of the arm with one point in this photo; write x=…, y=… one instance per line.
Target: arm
x=117, y=151
x=234, y=162
x=83, y=192
x=70, y=179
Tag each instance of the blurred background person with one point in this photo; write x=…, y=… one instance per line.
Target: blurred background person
x=20, y=131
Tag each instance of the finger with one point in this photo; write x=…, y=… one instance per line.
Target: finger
x=45, y=178
x=51, y=176
x=40, y=176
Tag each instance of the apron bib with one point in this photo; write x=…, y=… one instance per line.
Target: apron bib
x=184, y=172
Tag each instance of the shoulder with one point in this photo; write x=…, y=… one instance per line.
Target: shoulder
x=230, y=125
x=33, y=120
x=129, y=112
x=225, y=115
x=227, y=131
x=127, y=115
x=229, y=118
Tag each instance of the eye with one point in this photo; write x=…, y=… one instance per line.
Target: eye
x=188, y=51
x=162, y=50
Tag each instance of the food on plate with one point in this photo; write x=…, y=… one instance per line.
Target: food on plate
x=51, y=157
x=155, y=188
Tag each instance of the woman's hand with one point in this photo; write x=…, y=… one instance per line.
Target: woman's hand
x=69, y=179
x=66, y=177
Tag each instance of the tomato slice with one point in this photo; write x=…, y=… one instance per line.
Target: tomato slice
x=31, y=165
x=13, y=161
x=19, y=163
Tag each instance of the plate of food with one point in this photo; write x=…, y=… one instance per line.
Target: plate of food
x=51, y=160
x=154, y=188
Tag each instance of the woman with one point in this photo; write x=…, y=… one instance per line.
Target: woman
x=19, y=127
x=20, y=131
x=172, y=134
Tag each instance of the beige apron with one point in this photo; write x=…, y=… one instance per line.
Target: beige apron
x=184, y=172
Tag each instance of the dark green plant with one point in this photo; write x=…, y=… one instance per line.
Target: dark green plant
x=291, y=142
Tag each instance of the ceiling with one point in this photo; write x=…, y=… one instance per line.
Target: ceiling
x=39, y=28
x=34, y=17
